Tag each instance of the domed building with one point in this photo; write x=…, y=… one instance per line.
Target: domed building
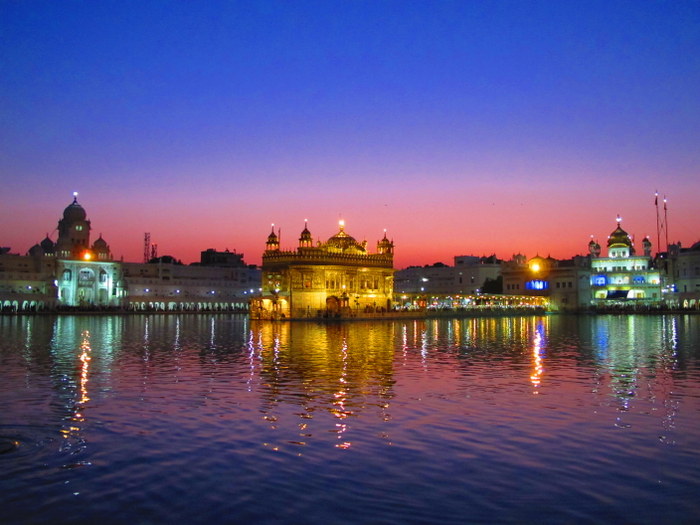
x=86, y=275
x=623, y=276
x=563, y=283
x=338, y=277
x=67, y=273
x=73, y=273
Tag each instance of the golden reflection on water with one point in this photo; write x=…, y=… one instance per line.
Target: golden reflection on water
x=334, y=369
x=538, y=350
x=77, y=417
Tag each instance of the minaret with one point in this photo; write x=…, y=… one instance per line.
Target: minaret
x=385, y=246
x=594, y=248
x=273, y=242
x=305, y=240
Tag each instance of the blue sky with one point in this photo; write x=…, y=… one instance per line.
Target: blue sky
x=484, y=125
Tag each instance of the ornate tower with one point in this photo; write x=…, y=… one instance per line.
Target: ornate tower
x=305, y=239
x=73, y=232
x=619, y=242
x=385, y=246
x=273, y=241
x=594, y=248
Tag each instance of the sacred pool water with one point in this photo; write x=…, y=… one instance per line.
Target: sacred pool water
x=218, y=419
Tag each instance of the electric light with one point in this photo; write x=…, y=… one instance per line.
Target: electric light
x=535, y=267
x=87, y=256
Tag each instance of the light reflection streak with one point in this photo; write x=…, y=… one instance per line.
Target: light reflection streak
x=537, y=344
x=212, y=335
x=340, y=398
x=77, y=418
x=85, y=368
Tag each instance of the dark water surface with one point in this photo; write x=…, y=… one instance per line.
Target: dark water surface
x=217, y=419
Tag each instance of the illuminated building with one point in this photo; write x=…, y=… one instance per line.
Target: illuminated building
x=86, y=275
x=623, y=276
x=73, y=273
x=565, y=283
x=467, y=277
x=70, y=272
x=682, y=273
x=221, y=281
x=335, y=278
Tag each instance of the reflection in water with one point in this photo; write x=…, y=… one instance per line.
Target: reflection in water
x=438, y=417
x=537, y=350
x=334, y=369
x=639, y=354
x=72, y=434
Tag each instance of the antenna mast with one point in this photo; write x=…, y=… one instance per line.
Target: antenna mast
x=658, y=222
x=146, y=247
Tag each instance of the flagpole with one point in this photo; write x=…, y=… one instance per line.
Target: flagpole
x=658, y=230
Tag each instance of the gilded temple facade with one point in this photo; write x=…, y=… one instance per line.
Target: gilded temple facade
x=332, y=279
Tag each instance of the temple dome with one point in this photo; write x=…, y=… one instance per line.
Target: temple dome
x=342, y=241
x=74, y=212
x=619, y=237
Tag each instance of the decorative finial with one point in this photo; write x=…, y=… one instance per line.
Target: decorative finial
x=341, y=223
x=619, y=219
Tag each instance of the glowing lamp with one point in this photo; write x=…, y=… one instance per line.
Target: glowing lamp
x=87, y=256
x=535, y=267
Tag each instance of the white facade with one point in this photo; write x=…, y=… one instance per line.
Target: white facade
x=623, y=276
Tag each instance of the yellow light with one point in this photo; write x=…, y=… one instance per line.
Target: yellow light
x=87, y=256
x=535, y=267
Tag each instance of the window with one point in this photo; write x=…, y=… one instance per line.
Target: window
x=537, y=285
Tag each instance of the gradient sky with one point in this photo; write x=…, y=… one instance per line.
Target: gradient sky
x=460, y=127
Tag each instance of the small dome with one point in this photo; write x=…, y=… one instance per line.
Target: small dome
x=47, y=245
x=99, y=244
x=74, y=212
x=305, y=234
